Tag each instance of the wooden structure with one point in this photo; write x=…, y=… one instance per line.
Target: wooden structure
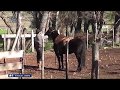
x=7, y=37
x=19, y=65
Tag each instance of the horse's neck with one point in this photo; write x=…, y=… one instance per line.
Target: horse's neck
x=54, y=37
x=59, y=38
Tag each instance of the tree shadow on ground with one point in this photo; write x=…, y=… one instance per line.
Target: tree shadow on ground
x=36, y=68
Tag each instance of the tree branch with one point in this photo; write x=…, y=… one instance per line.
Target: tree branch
x=6, y=23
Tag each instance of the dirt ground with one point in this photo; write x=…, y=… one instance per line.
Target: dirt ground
x=109, y=66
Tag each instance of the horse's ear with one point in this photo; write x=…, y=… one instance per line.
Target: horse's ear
x=48, y=30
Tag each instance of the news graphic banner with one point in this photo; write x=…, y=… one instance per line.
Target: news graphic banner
x=19, y=75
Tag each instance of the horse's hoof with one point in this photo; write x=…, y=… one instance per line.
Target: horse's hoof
x=78, y=69
x=60, y=69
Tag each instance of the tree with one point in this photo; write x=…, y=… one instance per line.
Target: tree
x=79, y=22
x=117, y=26
x=39, y=41
x=95, y=50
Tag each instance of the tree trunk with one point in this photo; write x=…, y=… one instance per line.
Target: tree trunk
x=95, y=61
x=57, y=19
x=116, y=27
x=38, y=18
x=18, y=29
x=79, y=22
x=40, y=38
x=95, y=54
x=117, y=38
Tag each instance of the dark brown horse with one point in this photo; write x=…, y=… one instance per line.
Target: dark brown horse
x=76, y=46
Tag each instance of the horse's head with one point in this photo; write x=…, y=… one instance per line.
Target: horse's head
x=52, y=33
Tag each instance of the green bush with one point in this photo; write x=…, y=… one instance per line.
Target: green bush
x=48, y=45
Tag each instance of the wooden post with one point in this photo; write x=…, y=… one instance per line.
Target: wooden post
x=23, y=40
x=113, y=39
x=42, y=56
x=4, y=42
x=67, y=52
x=87, y=39
x=18, y=43
x=8, y=44
x=32, y=36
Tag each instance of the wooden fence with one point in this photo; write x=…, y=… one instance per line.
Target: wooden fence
x=19, y=65
x=21, y=41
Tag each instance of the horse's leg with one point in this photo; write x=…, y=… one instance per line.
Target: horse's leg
x=79, y=68
x=58, y=56
x=80, y=55
x=62, y=61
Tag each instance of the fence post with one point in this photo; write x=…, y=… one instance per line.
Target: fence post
x=4, y=42
x=113, y=39
x=8, y=44
x=23, y=40
x=67, y=52
x=32, y=36
x=42, y=73
x=87, y=39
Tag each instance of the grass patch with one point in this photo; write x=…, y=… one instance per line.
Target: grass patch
x=29, y=50
x=3, y=31
x=48, y=45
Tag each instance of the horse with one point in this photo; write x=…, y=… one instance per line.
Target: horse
x=76, y=46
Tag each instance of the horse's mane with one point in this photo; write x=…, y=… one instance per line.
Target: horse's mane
x=81, y=36
x=62, y=38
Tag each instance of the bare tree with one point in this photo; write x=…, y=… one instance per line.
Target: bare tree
x=39, y=41
x=117, y=27
x=2, y=16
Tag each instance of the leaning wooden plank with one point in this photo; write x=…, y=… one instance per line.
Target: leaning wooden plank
x=11, y=66
x=14, y=35
x=6, y=77
x=11, y=54
x=22, y=35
